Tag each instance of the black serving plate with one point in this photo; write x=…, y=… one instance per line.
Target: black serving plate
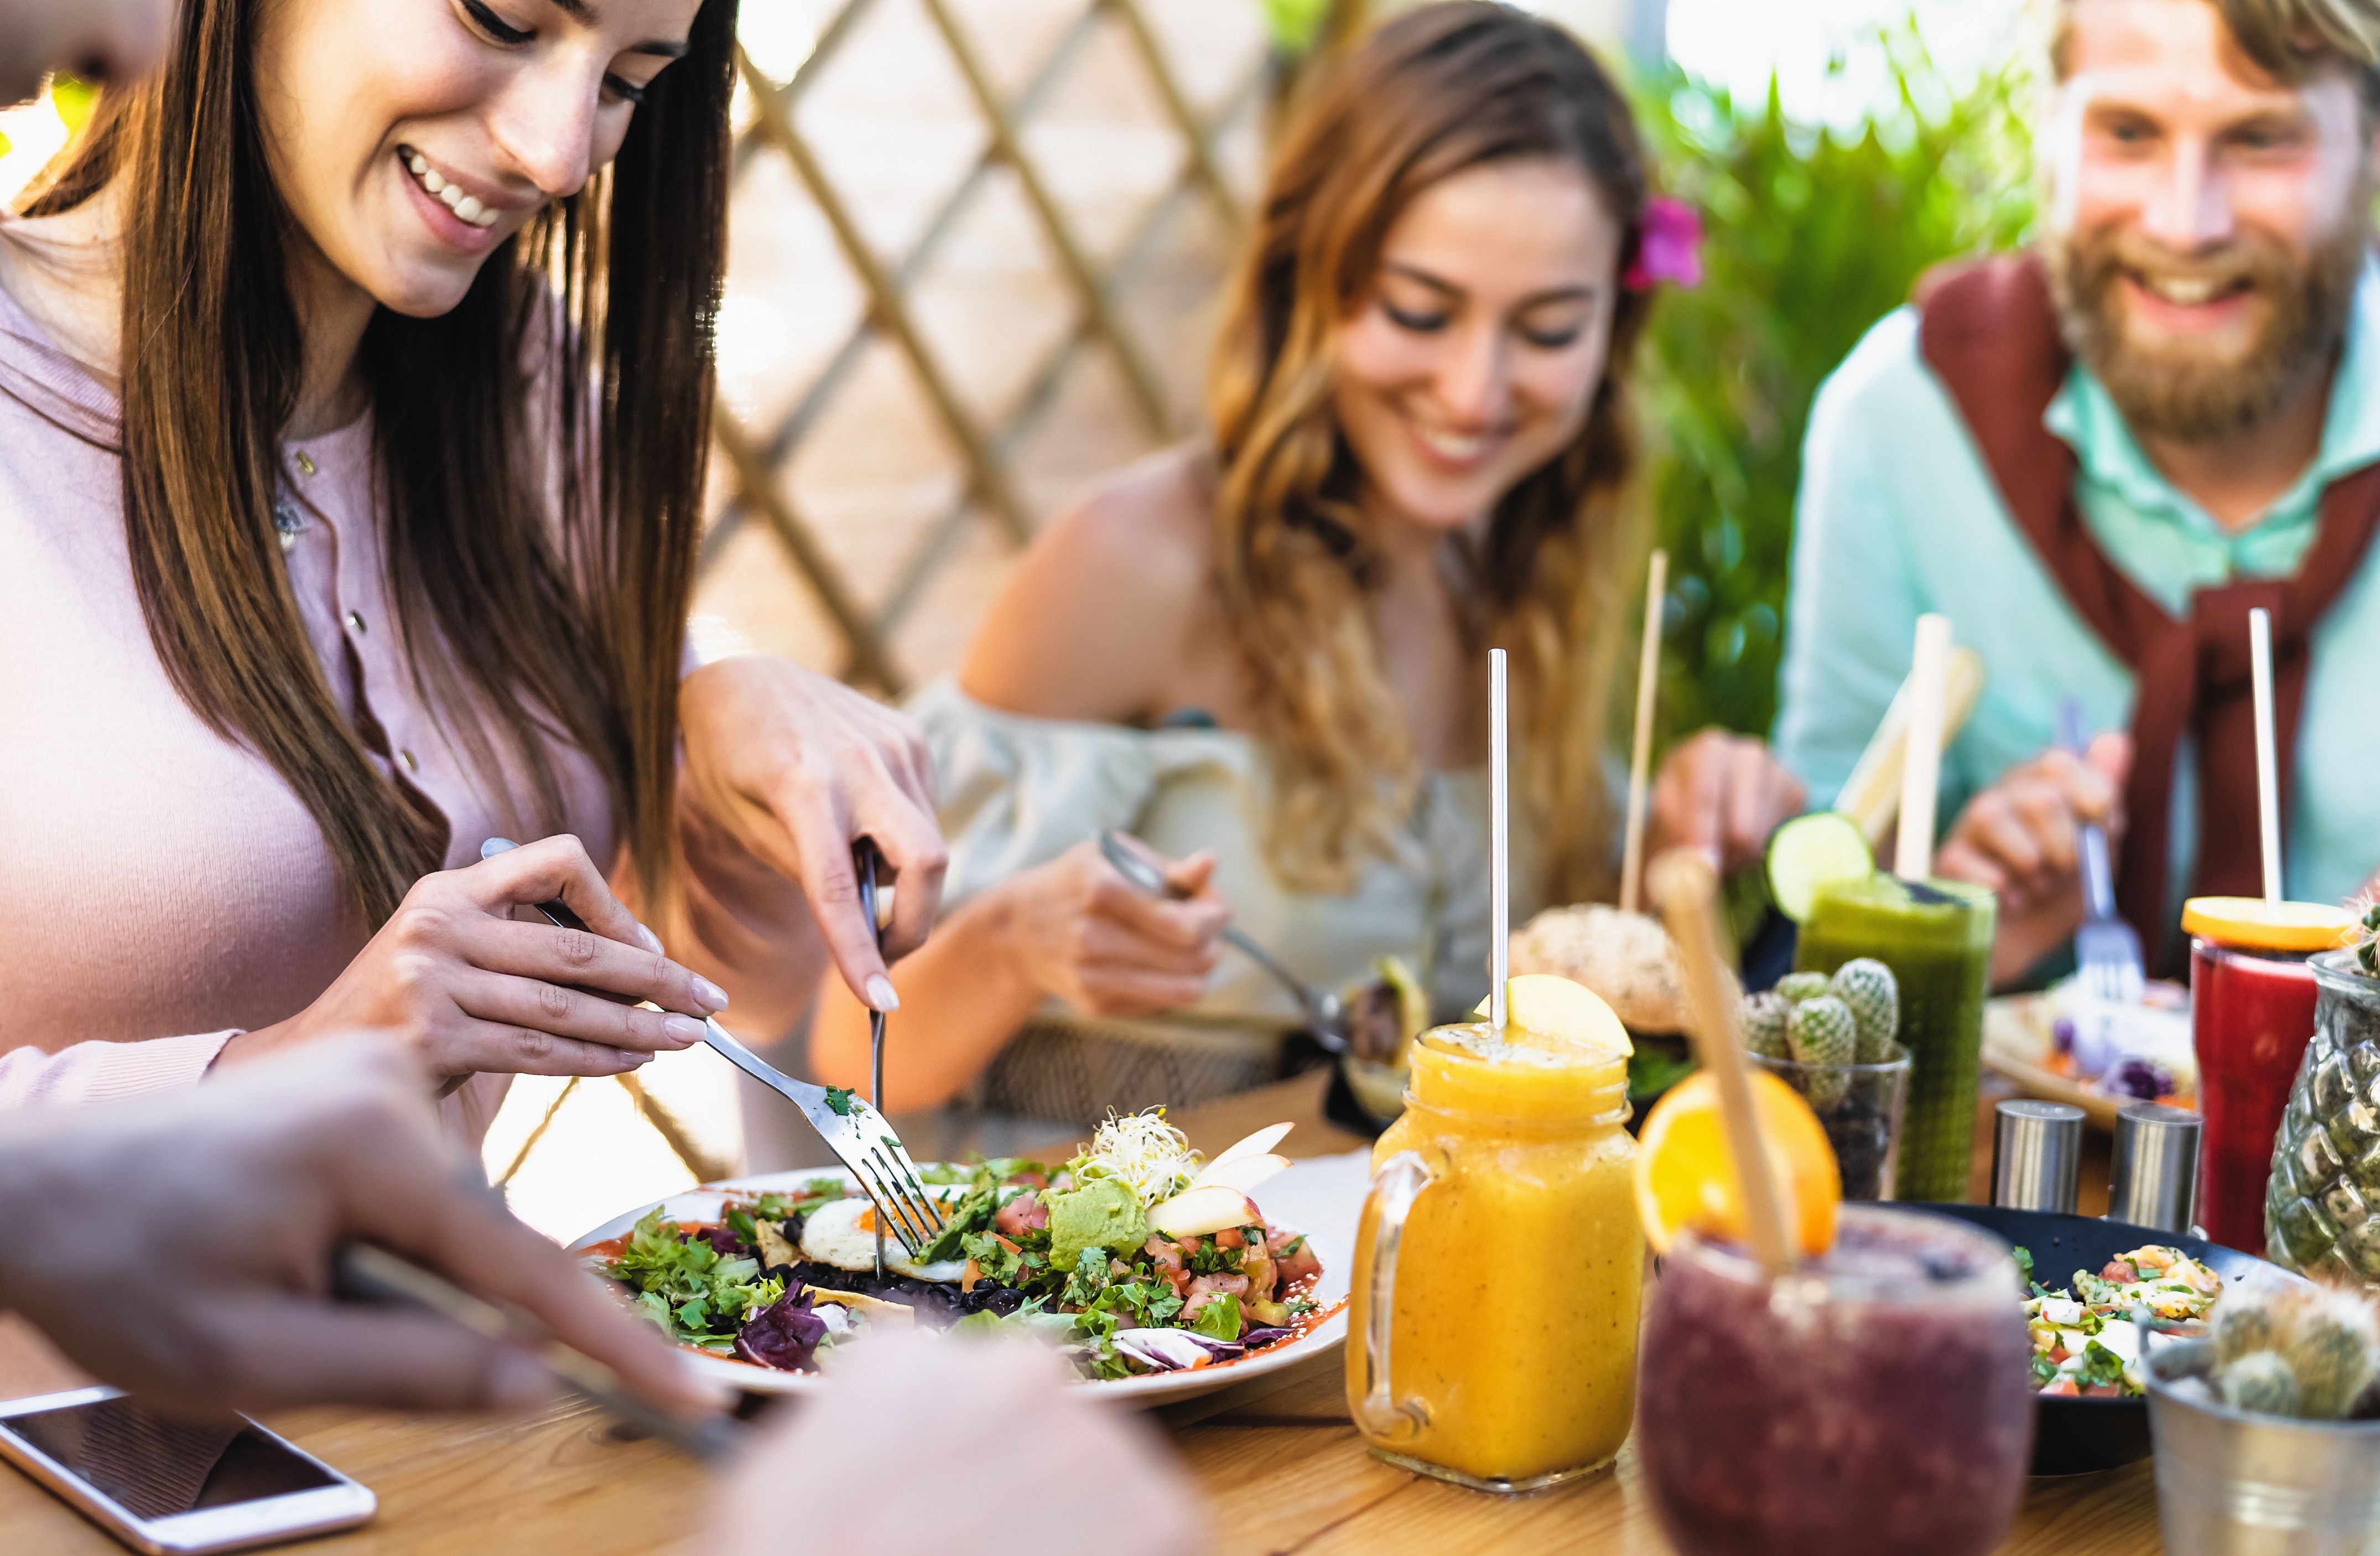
x=2084, y=1436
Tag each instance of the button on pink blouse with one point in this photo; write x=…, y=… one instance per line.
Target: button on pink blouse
x=161, y=888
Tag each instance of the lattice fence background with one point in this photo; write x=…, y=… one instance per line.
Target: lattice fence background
x=975, y=252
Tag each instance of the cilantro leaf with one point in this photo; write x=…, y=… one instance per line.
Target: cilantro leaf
x=839, y=1099
x=1086, y=1279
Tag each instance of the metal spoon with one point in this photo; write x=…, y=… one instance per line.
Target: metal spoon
x=1326, y=1014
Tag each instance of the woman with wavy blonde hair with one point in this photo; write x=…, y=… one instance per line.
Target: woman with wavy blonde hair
x=1263, y=655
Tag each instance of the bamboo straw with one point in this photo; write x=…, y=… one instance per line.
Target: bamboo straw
x=1686, y=887
x=1640, y=757
x=1871, y=796
x=1500, y=845
x=1920, y=768
x=2268, y=783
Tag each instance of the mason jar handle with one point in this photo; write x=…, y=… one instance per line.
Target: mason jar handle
x=1394, y=1189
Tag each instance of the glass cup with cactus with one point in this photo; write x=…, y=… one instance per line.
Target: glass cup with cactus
x=1834, y=1040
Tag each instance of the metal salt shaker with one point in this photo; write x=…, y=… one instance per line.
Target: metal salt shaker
x=2037, y=1156
x=2154, y=1180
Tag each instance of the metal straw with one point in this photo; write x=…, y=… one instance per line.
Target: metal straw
x=2268, y=784
x=1499, y=845
x=1640, y=757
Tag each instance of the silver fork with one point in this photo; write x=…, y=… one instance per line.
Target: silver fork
x=1326, y=1014
x=2106, y=950
x=863, y=865
x=853, y=1130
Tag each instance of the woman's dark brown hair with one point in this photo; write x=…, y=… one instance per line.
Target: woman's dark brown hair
x=591, y=330
x=1439, y=90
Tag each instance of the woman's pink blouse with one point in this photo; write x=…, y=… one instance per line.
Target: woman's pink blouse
x=161, y=887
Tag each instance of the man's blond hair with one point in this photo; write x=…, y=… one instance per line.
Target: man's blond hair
x=2290, y=41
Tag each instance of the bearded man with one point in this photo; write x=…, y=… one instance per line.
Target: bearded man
x=2095, y=457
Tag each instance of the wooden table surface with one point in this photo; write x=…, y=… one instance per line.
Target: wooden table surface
x=1281, y=1465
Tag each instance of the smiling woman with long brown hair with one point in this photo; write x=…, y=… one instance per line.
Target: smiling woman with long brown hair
x=358, y=380
x=1266, y=652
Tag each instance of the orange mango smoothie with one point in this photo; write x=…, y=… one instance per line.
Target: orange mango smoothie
x=1513, y=1335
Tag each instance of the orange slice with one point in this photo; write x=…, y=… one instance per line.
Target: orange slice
x=2273, y=925
x=1685, y=1175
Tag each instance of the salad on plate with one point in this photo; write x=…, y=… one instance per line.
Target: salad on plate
x=1135, y=1257
x=2087, y=1341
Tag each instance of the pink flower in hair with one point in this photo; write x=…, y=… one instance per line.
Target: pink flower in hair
x=1668, y=246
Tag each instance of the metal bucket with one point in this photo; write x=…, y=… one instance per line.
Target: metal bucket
x=2230, y=1483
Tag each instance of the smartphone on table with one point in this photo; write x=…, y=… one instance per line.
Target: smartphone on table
x=166, y=1484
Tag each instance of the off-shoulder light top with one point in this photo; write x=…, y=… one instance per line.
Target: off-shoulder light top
x=1016, y=792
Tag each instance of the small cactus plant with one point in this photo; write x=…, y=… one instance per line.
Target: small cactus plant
x=2244, y=1324
x=1823, y=1034
x=2333, y=1352
x=1794, y=988
x=2311, y=1355
x=2259, y=1381
x=2367, y=941
x=1765, y=1015
x=1867, y=986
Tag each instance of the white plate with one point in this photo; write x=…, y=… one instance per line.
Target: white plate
x=1319, y=1189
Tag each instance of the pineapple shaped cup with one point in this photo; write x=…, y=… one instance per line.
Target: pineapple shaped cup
x=2322, y=1205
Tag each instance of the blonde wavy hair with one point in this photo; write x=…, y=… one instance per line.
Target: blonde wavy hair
x=1439, y=90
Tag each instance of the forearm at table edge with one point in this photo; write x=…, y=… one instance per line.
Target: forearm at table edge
x=103, y=1071
x=962, y=995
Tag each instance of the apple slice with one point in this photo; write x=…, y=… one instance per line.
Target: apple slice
x=1257, y=1144
x=1200, y=1212
x=1242, y=1172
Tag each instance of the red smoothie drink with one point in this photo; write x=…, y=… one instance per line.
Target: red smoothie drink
x=2251, y=1014
x=1875, y=1402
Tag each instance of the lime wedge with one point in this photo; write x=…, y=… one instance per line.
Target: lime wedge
x=1811, y=851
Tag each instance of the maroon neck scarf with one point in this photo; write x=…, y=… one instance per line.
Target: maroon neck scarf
x=1990, y=332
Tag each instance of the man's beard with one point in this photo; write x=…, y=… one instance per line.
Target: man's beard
x=2183, y=390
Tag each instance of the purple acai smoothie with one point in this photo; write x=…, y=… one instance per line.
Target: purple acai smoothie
x=1875, y=1402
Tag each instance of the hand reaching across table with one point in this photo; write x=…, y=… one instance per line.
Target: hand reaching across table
x=180, y=1246
x=1073, y=929
x=797, y=766
x=1722, y=794
x=470, y=989
x=2022, y=838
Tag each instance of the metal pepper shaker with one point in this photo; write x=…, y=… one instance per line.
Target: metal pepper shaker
x=2154, y=1179
x=2037, y=1156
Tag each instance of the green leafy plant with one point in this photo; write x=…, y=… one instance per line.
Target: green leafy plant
x=1811, y=234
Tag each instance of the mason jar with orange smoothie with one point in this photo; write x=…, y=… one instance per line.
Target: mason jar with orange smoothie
x=1492, y=1323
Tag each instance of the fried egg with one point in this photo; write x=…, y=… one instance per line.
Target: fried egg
x=843, y=1232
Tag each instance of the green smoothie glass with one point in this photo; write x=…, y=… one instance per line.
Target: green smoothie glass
x=1936, y=938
